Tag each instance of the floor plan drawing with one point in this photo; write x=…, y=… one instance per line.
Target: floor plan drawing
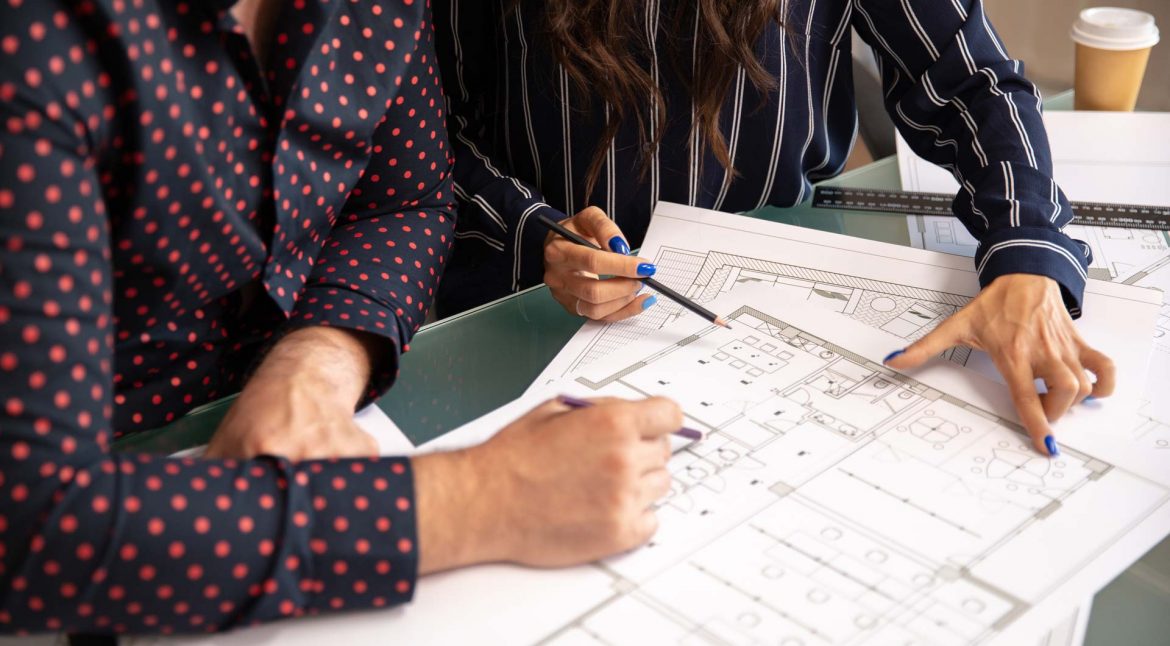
x=831, y=502
x=900, y=291
x=905, y=311
x=1118, y=254
x=834, y=501
x=1126, y=256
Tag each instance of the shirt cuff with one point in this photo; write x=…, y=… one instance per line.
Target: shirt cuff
x=353, y=537
x=1037, y=251
x=528, y=266
x=331, y=306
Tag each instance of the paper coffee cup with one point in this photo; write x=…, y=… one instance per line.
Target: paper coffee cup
x=1113, y=47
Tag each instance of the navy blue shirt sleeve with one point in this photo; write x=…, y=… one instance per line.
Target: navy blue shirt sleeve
x=380, y=266
x=497, y=209
x=963, y=103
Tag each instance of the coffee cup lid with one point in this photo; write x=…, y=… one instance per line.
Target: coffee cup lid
x=1115, y=28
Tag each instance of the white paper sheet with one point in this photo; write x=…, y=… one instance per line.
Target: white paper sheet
x=1127, y=256
x=1071, y=631
x=1096, y=157
x=800, y=424
x=834, y=501
x=903, y=291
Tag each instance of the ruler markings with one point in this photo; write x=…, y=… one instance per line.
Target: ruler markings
x=1101, y=214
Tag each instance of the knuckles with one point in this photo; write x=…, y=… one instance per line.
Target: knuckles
x=618, y=423
x=593, y=263
x=594, y=292
x=1064, y=382
x=618, y=464
x=1105, y=365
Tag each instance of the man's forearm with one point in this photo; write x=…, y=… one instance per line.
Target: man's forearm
x=341, y=359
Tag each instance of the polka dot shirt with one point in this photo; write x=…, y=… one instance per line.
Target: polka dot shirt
x=168, y=207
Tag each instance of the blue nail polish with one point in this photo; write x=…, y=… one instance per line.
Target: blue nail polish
x=617, y=245
x=1050, y=444
x=1089, y=399
x=649, y=302
x=893, y=355
x=646, y=270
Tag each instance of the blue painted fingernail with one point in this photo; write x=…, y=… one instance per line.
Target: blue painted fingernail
x=1050, y=444
x=893, y=355
x=617, y=245
x=1089, y=399
x=646, y=270
x=649, y=302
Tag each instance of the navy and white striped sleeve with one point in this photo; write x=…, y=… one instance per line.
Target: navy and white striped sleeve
x=496, y=210
x=963, y=103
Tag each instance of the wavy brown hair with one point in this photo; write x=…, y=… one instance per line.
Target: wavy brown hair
x=603, y=44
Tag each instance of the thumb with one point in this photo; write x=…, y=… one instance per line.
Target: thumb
x=942, y=338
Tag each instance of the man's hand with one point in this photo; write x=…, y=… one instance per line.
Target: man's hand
x=557, y=487
x=1020, y=320
x=572, y=272
x=300, y=402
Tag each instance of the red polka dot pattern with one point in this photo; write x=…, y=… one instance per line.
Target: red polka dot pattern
x=167, y=209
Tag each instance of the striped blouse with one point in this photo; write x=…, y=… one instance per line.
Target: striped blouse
x=523, y=142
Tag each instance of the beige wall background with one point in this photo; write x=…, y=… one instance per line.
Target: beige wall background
x=1036, y=31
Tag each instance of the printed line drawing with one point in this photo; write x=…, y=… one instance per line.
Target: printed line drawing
x=1127, y=256
x=906, y=311
x=833, y=501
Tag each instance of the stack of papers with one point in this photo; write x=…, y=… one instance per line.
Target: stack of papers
x=1118, y=157
x=833, y=500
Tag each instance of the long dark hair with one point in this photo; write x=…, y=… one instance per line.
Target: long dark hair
x=600, y=44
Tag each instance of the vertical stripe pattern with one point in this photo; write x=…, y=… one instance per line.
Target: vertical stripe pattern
x=948, y=82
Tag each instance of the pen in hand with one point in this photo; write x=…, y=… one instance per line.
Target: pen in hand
x=650, y=282
x=573, y=402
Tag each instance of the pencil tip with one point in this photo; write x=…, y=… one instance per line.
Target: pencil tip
x=720, y=321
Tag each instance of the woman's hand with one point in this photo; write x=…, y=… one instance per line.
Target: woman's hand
x=300, y=402
x=557, y=487
x=573, y=272
x=1021, y=321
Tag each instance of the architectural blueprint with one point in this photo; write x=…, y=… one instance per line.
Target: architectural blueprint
x=1097, y=157
x=1125, y=256
x=833, y=501
x=1118, y=254
x=902, y=291
x=837, y=502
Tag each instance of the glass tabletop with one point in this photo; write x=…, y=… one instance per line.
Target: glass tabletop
x=467, y=365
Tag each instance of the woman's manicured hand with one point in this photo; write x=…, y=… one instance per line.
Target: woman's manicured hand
x=1020, y=320
x=574, y=273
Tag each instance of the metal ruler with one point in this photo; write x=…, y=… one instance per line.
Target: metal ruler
x=1097, y=214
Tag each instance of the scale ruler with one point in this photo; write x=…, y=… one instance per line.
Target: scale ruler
x=1095, y=214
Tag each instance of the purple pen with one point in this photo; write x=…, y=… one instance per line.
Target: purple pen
x=573, y=402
